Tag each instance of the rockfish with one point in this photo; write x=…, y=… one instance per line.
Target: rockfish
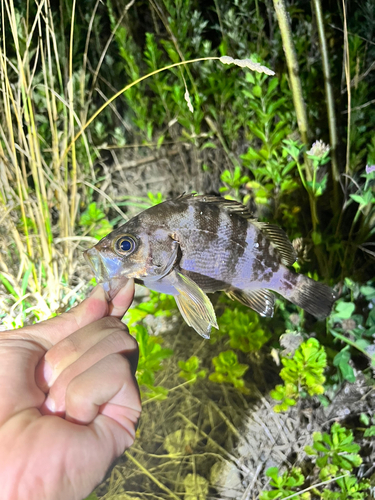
x=194, y=245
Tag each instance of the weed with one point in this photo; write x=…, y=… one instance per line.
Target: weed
x=243, y=328
x=151, y=355
x=336, y=457
x=303, y=373
x=189, y=370
x=229, y=370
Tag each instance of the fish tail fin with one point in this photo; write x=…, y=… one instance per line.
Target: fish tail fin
x=314, y=297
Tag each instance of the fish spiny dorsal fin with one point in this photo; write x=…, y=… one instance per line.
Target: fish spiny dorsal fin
x=262, y=301
x=184, y=196
x=280, y=240
x=231, y=206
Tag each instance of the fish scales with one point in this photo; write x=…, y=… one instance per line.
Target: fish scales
x=195, y=245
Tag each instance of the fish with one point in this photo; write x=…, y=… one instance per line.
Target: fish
x=194, y=245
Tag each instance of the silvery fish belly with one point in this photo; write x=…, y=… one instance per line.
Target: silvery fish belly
x=195, y=245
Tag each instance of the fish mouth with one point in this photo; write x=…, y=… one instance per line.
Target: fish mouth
x=95, y=262
x=106, y=271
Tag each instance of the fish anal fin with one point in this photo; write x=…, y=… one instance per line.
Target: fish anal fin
x=280, y=240
x=194, y=305
x=262, y=301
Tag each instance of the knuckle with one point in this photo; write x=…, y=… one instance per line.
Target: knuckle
x=111, y=322
x=67, y=347
x=122, y=341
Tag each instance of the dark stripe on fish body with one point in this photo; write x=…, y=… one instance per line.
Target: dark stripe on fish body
x=207, y=219
x=239, y=227
x=266, y=262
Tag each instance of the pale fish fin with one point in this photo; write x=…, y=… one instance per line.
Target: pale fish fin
x=194, y=305
x=280, y=240
x=262, y=301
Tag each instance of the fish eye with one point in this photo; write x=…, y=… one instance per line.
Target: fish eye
x=125, y=245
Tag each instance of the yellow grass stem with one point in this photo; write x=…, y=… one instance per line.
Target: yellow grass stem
x=293, y=67
x=333, y=139
x=348, y=86
x=71, y=123
x=151, y=476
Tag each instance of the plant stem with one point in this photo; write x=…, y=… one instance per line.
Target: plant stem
x=293, y=68
x=330, y=102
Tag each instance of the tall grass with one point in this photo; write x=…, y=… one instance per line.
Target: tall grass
x=39, y=185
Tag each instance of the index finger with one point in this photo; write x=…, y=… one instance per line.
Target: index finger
x=50, y=332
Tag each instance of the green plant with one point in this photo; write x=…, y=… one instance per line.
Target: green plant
x=243, y=328
x=334, y=452
x=336, y=456
x=233, y=180
x=189, y=369
x=151, y=356
x=351, y=489
x=367, y=420
x=353, y=329
x=268, y=125
x=93, y=221
x=229, y=370
x=303, y=373
x=285, y=484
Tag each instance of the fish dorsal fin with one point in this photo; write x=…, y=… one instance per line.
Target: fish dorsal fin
x=194, y=305
x=184, y=196
x=262, y=301
x=280, y=240
x=232, y=206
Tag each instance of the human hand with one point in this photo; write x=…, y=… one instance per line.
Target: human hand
x=69, y=402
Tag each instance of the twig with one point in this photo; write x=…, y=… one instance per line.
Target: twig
x=235, y=460
x=151, y=476
x=359, y=107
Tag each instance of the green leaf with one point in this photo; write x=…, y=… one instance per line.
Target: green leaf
x=344, y=310
x=370, y=431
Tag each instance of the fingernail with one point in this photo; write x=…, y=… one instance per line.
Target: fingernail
x=50, y=404
x=47, y=373
x=129, y=285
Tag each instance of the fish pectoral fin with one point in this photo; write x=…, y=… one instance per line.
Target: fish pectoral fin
x=194, y=305
x=262, y=301
x=280, y=240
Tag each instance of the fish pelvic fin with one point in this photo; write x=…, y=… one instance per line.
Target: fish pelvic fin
x=279, y=240
x=315, y=297
x=194, y=305
x=262, y=301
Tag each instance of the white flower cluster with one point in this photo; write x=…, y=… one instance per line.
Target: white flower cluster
x=318, y=149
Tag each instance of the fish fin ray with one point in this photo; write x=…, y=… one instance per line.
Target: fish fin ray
x=232, y=206
x=280, y=240
x=262, y=301
x=194, y=305
x=313, y=296
x=187, y=312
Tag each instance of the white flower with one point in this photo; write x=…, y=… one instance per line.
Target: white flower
x=318, y=149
